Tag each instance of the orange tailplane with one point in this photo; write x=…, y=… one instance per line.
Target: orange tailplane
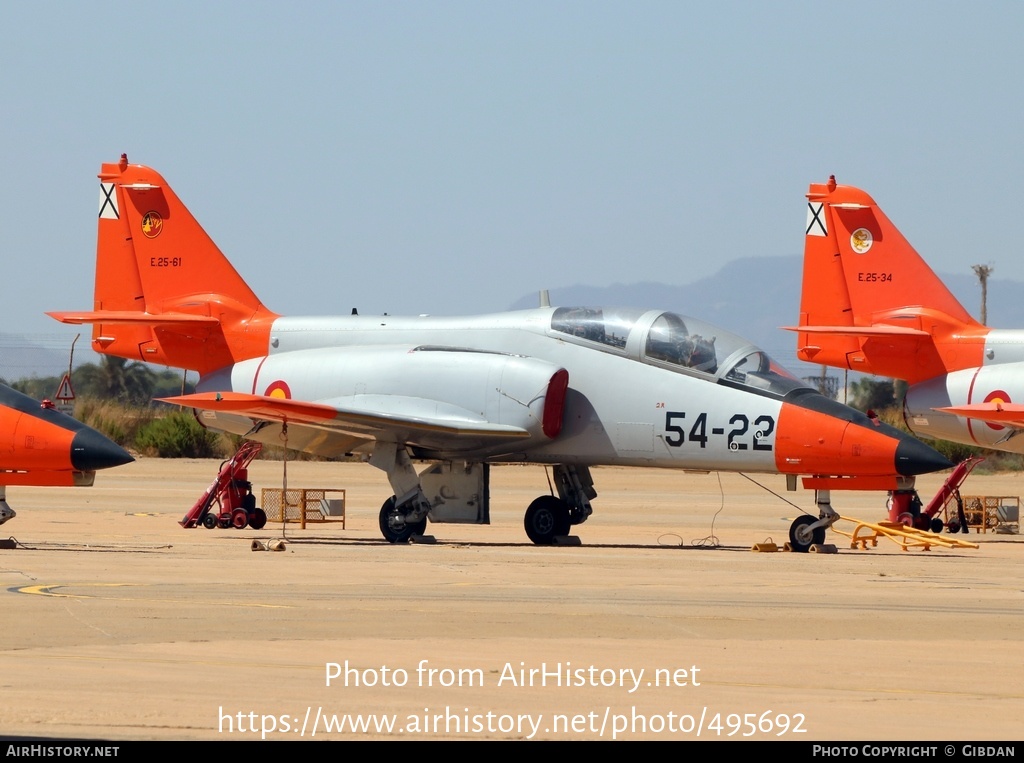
x=869, y=302
x=164, y=292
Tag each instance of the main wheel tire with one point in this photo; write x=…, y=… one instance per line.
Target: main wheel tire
x=398, y=536
x=801, y=537
x=258, y=519
x=546, y=519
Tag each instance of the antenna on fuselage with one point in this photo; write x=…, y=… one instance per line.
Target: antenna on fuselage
x=545, y=300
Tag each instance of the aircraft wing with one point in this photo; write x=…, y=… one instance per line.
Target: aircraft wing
x=367, y=416
x=1008, y=414
x=440, y=401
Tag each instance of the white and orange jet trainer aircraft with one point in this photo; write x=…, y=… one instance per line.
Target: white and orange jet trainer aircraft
x=871, y=304
x=567, y=387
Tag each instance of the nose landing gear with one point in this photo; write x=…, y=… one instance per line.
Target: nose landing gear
x=806, y=531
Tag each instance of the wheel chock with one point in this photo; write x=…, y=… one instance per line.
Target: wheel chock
x=9, y=543
x=815, y=548
x=567, y=540
x=767, y=546
x=426, y=540
x=275, y=545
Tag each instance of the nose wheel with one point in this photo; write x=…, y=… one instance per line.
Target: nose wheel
x=805, y=532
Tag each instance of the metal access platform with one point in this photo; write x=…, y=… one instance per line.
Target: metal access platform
x=866, y=534
x=912, y=525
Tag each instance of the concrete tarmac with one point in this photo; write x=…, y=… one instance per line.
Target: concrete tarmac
x=120, y=625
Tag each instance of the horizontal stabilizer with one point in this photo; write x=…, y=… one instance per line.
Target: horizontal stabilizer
x=129, y=316
x=887, y=331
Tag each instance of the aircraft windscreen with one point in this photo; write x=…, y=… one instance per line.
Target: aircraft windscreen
x=699, y=346
x=756, y=369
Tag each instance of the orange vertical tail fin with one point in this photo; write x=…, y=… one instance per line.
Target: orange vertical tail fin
x=869, y=302
x=164, y=292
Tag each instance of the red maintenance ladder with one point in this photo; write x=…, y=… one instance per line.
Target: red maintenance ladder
x=913, y=525
x=232, y=492
x=905, y=506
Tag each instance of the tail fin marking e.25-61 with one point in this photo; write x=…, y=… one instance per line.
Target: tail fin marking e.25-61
x=164, y=292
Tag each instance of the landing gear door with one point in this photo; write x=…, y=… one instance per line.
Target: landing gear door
x=458, y=492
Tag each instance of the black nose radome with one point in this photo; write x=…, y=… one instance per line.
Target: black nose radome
x=91, y=451
x=914, y=457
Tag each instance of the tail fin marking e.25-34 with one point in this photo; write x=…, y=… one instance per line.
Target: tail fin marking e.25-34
x=869, y=302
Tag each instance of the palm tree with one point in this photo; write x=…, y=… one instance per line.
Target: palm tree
x=116, y=379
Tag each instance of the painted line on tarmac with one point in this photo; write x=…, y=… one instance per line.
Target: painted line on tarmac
x=53, y=590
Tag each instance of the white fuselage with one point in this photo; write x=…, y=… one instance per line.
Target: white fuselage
x=621, y=407
x=1000, y=378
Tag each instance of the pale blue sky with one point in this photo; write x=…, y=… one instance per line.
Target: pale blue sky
x=449, y=157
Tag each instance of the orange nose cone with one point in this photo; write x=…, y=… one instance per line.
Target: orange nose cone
x=817, y=435
x=28, y=443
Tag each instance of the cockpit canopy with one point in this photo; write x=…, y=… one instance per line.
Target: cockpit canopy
x=674, y=341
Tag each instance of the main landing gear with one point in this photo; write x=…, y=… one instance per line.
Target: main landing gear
x=546, y=519
x=405, y=513
x=806, y=531
x=550, y=517
x=459, y=493
x=396, y=525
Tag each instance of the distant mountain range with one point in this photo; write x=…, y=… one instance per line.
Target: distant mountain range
x=24, y=356
x=752, y=297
